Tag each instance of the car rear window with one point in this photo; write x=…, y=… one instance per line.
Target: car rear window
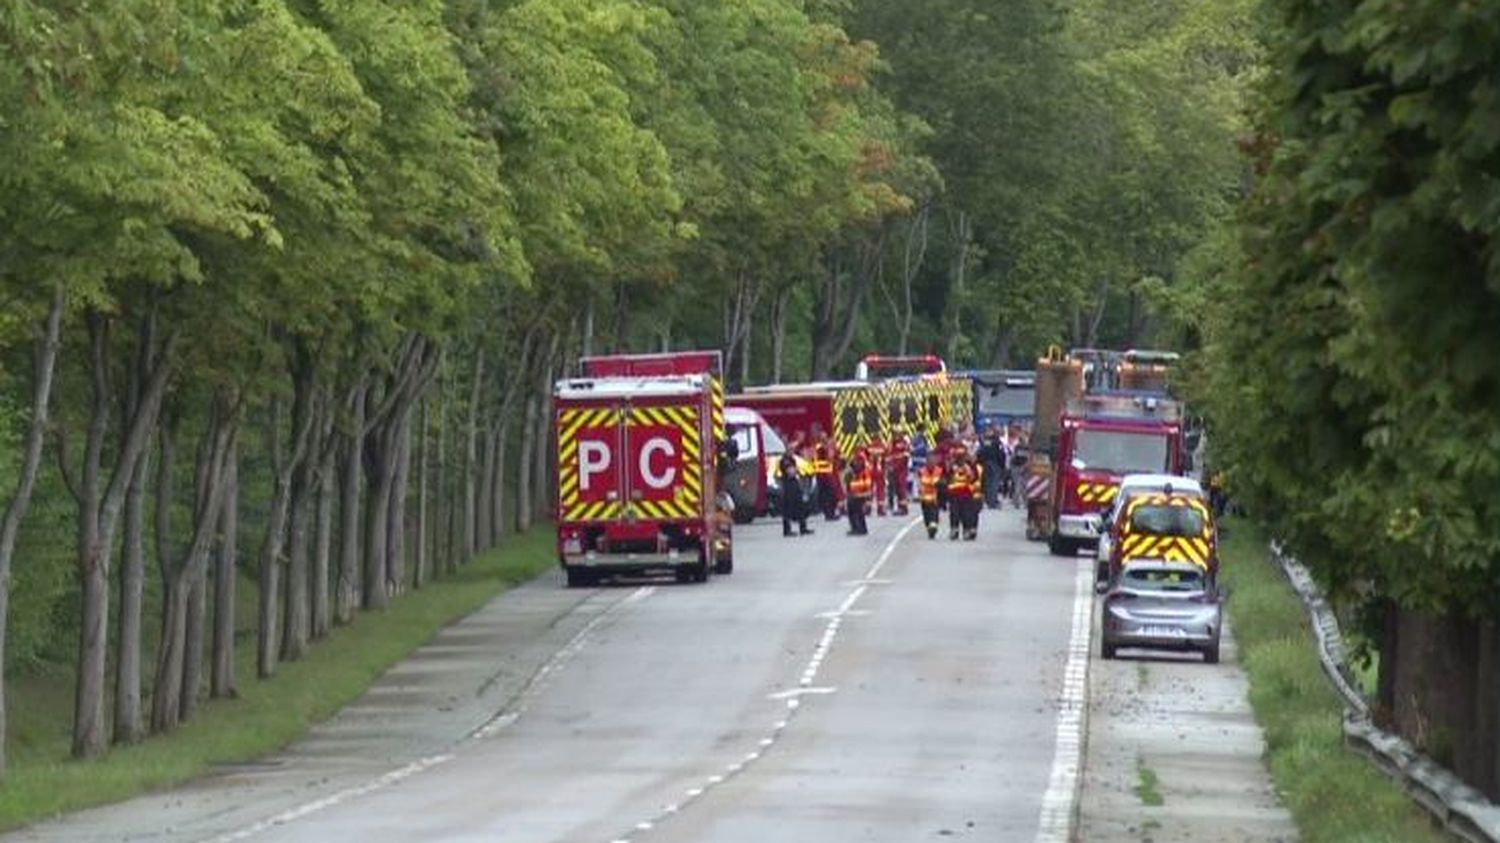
x=1163, y=579
x=1167, y=520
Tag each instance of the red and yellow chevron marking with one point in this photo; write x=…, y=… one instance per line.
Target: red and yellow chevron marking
x=1102, y=493
x=569, y=422
x=1169, y=500
x=716, y=408
x=687, y=498
x=1170, y=548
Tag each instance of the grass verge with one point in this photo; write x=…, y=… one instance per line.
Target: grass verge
x=269, y=714
x=1334, y=795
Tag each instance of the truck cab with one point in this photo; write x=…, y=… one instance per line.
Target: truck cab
x=1003, y=397
x=1102, y=437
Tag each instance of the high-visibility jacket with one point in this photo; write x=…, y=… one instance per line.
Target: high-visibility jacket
x=961, y=481
x=861, y=483
x=875, y=454
x=822, y=465
x=928, y=482
x=978, y=483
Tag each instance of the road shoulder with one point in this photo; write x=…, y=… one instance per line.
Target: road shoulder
x=1174, y=753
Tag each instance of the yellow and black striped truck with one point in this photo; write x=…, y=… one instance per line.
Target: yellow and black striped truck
x=636, y=452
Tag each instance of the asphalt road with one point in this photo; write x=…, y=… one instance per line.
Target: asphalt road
x=832, y=689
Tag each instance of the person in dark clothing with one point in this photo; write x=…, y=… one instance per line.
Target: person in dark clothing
x=992, y=460
x=861, y=485
x=793, y=502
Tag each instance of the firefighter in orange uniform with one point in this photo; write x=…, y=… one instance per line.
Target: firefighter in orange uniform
x=898, y=468
x=875, y=454
x=860, y=483
x=823, y=477
x=929, y=480
x=961, y=482
x=976, y=501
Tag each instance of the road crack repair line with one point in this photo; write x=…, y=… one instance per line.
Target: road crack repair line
x=508, y=715
x=1060, y=801
x=790, y=699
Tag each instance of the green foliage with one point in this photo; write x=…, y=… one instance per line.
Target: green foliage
x=1354, y=370
x=1333, y=794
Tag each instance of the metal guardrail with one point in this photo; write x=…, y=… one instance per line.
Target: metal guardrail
x=1461, y=810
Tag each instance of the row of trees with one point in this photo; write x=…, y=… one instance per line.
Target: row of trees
x=302, y=272
x=1353, y=369
x=289, y=280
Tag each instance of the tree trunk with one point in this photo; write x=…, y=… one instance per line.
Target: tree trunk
x=298, y=621
x=377, y=510
x=284, y=468
x=779, y=307
x=526, y=463
x=839, y=301
x=497, y=495
x=963, y=235
x=471, y=537
x=222, y=681
x=396, y=520
x=129, y=721
x=541, y=477
x=586, y=344
x=419, y=539
x=442, y=527
x=99, y=511
x=484, y=501
x=179, y=652
x=166, y=698
x=347, y=594
x=129, y=726
x=44, y=366
x=745, y=340
x=322, y=615
x=192, y=666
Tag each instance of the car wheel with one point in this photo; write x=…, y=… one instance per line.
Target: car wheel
x=1101, y=571
x=581, y=577
x=1211, y=653
x=743, y=515
x=1106, y=650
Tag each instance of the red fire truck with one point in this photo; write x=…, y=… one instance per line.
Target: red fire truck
x=637, y=438
x=794, y=411
x=1103, y=436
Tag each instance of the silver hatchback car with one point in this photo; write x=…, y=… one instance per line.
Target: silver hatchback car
x=1162, y=605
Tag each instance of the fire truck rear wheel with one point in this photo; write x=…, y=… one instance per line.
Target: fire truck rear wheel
x=1060, y=546
x=581, y=577
x=725, y=564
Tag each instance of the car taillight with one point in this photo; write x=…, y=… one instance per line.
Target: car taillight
x=572, y=544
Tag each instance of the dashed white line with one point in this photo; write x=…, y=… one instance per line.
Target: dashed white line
x=805, y=686
x=495, y=724
x=1060, y=801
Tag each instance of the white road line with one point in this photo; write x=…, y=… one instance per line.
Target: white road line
x=501, y=720
x=394, y=776
x=1060, y=802
x=804, y=682
x=797, y=692
x=512, y=713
